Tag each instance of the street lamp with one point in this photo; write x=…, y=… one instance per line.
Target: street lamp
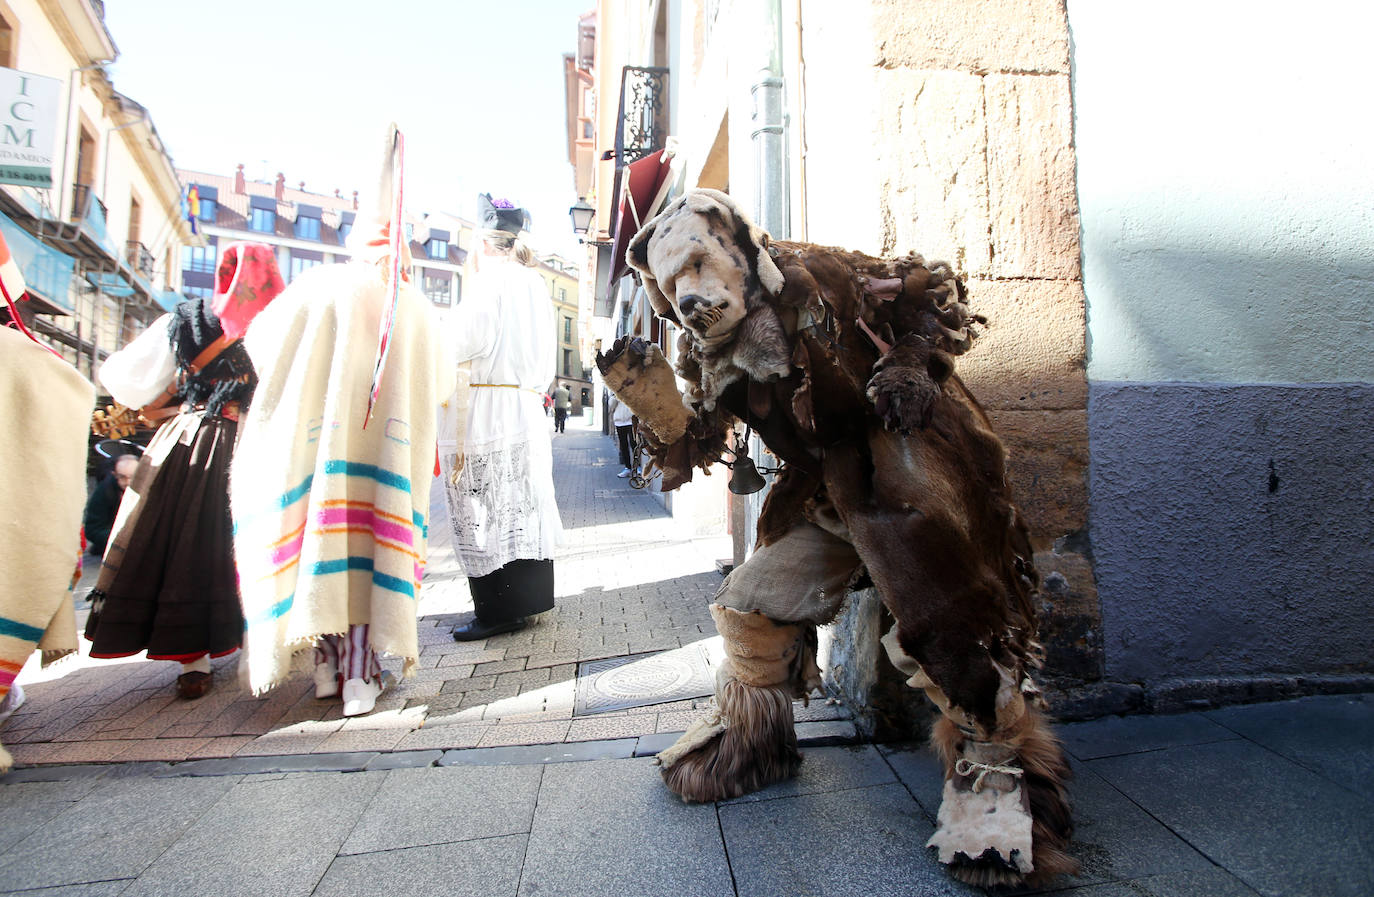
x=581, y=215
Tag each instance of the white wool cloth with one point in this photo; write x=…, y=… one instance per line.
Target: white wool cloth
x=501, y=502
x=330, y=518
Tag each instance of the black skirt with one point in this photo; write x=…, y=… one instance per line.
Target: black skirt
x=521, y=588
x=168, y=584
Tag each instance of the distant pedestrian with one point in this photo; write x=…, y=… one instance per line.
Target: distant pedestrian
x=548, y=404
x=624, y=418
x=103, y=504
x=562, y=404
x=500, y=496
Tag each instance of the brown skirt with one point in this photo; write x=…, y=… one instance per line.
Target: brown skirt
x=168, y=584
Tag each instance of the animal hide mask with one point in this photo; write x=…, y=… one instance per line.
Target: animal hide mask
x=706, y=266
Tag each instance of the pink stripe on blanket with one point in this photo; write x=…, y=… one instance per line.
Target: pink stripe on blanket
x=368, y=518
x=283, y=553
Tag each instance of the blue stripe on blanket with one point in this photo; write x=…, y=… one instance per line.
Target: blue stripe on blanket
x=285, y=500
x=354, y=469
x=15, y=629
x=339, y=565
x=275, y=611
x=419, y=520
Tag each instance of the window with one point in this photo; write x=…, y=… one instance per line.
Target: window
x=199, y=259
x=567, y=362
x=562, y=295
x=437, y=249
x=7, y=43
x=303, y=260
x=208, y=210
x=197, y=292
x=263, y=221
x=437, y=289
x=457, y=288
x=567, y=330
x=308, y=228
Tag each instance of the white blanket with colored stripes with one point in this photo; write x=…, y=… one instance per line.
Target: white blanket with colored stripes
x=331, y=518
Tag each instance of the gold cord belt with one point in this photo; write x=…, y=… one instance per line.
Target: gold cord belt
x=507, y=386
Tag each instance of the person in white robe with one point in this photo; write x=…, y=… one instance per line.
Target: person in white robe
x=500, y=486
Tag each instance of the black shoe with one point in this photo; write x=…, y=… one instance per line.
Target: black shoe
x=475, y=630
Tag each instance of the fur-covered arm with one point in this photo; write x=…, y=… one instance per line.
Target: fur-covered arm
x=928, y=323
x=679, y=437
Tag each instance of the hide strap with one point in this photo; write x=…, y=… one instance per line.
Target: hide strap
x=162, y=407
x=699, y=733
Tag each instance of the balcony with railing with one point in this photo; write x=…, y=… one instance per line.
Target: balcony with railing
x=139, y=258
x=643, y=115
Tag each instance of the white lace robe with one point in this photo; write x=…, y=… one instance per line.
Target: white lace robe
x=502, y=503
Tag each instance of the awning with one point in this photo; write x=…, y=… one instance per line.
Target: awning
x=646, y=184
x=47, y=271
x=168, y=299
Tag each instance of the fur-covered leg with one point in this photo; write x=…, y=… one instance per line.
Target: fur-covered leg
x=1004, y=817
x=748, y=741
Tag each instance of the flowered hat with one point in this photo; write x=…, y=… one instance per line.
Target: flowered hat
x=501, y=214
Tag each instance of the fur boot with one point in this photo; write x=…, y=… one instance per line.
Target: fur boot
x=748, y=740
x=1004, y=818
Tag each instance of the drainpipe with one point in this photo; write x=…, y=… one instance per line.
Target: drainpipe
x=105, y=154
x=770, y=207
x=770, y=146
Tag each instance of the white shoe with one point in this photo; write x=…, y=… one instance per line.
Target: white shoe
x=360, y=696
x=13, y=701
x=326, y=680
x=624, y=473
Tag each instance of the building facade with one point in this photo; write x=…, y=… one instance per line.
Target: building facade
x=90, y=204
x=306, y=229
x=562, y=278
x=1180, y=428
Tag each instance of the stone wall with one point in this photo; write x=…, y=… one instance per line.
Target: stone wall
x=977, y=154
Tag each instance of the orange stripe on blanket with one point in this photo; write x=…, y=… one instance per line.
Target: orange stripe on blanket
x=366, y=529
x=295, y=533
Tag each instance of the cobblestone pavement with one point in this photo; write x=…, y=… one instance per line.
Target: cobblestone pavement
x=629, y=580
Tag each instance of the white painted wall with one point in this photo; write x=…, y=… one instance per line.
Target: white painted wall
x=1226, y=189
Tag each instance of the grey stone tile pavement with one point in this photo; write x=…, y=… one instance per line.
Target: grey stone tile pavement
x=1183, y=813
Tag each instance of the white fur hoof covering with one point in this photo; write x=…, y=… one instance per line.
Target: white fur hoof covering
x=973, y=822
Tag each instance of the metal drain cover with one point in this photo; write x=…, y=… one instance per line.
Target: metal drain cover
x=639, y=680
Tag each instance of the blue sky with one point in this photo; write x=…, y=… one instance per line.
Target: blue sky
x=306, y=87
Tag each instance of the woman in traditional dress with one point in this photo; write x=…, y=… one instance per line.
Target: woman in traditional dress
x=500, y=494
x=167, y=583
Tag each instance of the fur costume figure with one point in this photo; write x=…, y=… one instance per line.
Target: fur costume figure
x=844, y=365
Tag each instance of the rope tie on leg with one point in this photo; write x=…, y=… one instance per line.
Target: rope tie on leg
x=966, y=767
